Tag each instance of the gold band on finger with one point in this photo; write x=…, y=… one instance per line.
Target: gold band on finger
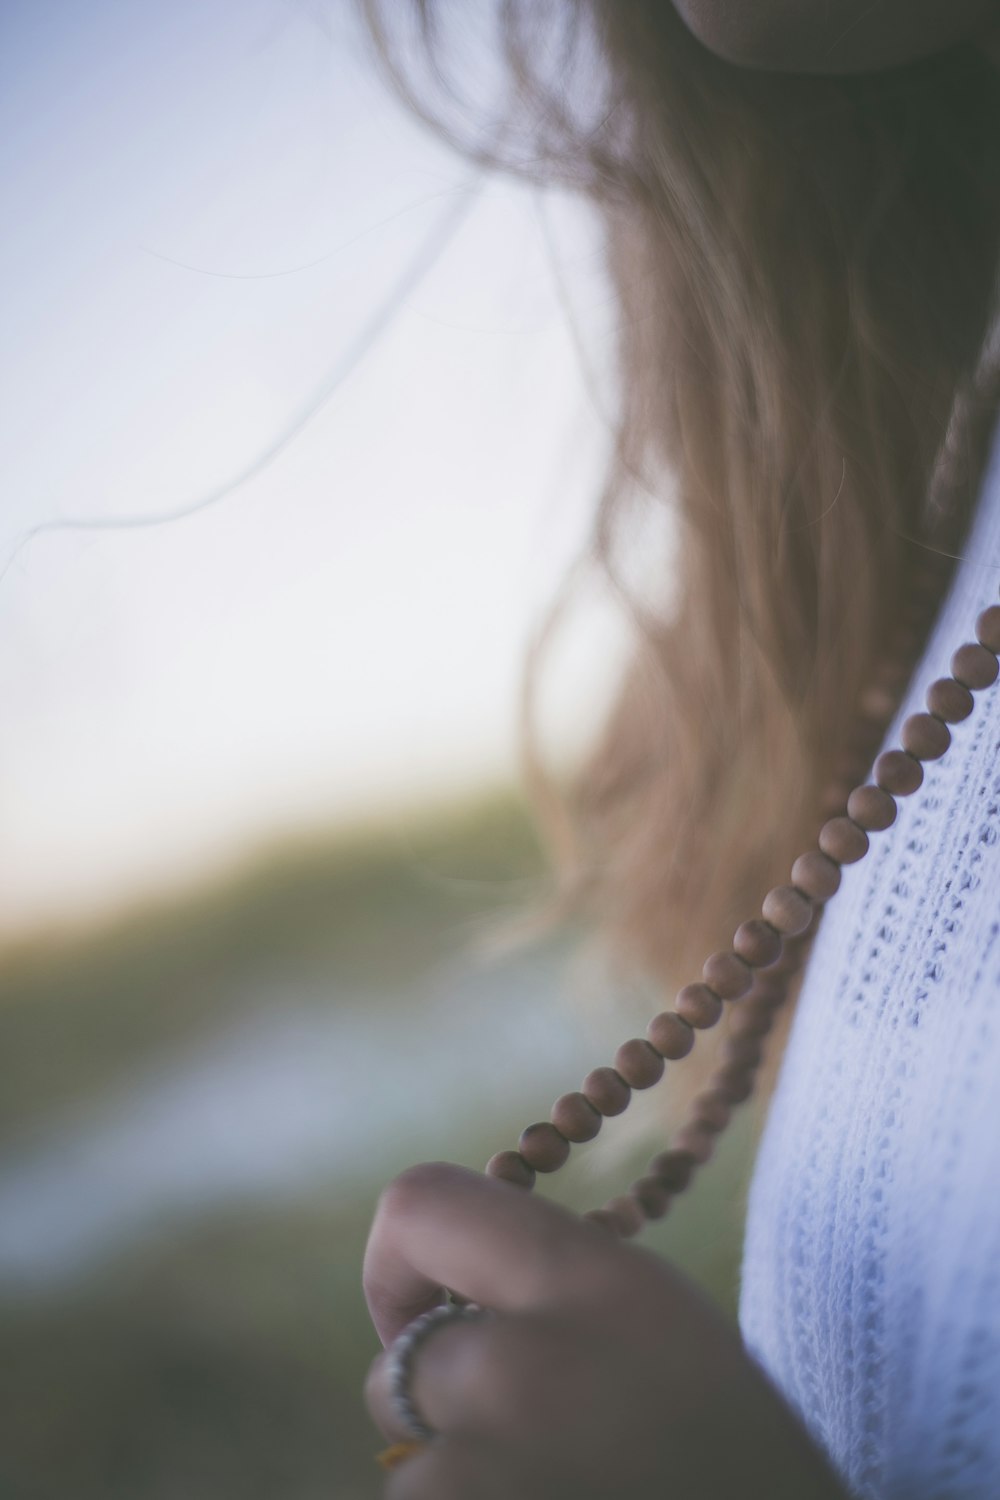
x=398, y=1453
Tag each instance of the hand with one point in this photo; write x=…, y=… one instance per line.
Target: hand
x=604, y=1372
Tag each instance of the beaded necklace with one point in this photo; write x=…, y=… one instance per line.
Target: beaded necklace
x=752, y=979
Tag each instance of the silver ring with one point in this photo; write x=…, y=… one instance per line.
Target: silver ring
x=401, y=1358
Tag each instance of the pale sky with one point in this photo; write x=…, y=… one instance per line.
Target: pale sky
x=205, y=205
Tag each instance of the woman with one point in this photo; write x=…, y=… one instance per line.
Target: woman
x=802, y=201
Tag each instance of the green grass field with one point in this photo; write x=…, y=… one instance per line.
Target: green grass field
x=222, y=1354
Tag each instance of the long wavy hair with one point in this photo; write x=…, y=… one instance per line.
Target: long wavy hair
x=805, y=269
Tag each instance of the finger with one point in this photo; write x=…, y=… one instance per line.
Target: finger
x=440, y=1225
x=458, y=1469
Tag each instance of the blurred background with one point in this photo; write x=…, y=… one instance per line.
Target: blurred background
x=304, y=422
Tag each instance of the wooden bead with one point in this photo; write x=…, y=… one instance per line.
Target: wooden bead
x=758, y=943
x=712, y=1109
x=673, y=1168
x=652, y=1195
x=735, y=1082
x=949, y=700
x=774, y=992
x=670, y=1034
x=750, y=1023
x=575, y=1117
x=607, y=1091
x=816, y=875
x=872, y=808
x=740, y=1052
x=897, y=772
x=925, y=737
x=626, y=1215
x=787, y=909
x=974, y=666
x=772, y=983
x=988, y=629
x=789, y=963
x=804, y=937
x=697, y=1140
x=843, y=840
x=638, y=1063
x=727, y=975
x=687, y=1155
x=542, y=1147
x=511, y=1167
x=699, y=1006
x=766, y=952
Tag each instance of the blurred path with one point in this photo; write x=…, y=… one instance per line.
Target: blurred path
x=297, y=1092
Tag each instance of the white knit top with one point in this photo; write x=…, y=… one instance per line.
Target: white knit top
x=871, y=1272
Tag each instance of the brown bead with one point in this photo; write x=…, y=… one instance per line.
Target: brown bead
x=652, y=1195
x=699, y=1006
x=758, y=943
x=673, y=1168
x=789, y=963
x=575, y=1117
x=735, y=1082
x=740, y=1052
x=925, y=737
x=626, y=1214
x=988, y=629
x=772, y=987
x=750, y=1023
x=871, y=808
x=764, y=1001
x=512, y=1167
x=787, y=909
x=974, y=666
x=949, y=700
x=772, y=983
x=897, y=772
x=696, y=1139
x=638, y=1063
x=798, y=946
x=775, y=992
x=542, y=1147
x=670, y=1034
x=816, y=875
x=727, y=975
x=712, y=1109
x=843, y=840
x=607, y=1091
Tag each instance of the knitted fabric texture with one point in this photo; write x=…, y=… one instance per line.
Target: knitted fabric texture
x=871, y=1272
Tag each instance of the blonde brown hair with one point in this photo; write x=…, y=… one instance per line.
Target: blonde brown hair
x=805, y=268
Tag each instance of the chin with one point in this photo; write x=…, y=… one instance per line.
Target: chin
x=832, y=36
x=749, y=33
